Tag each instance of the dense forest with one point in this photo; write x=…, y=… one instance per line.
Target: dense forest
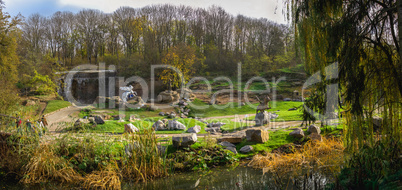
x=133, y=39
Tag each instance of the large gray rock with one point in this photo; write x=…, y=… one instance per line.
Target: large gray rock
x=232, y=149
x=184, y=140
x=175, y=125
x=314, y=129
x=261, y=118
x=213, y=129
x=246, y=149
x=130, y=128
x=298, y=133
x=195, y=129
x=99, y=120
x=218, y=124
x=226, y=144
x=273, y=115
x=232, y=139
x=159, y=126
x=257, y=135
x=172, y=115
x=162, y=113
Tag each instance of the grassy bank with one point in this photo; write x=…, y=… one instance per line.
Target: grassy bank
x=54, y=105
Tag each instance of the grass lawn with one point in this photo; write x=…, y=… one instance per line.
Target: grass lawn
x=233, y=109
x=112, y=126
x=54, y=105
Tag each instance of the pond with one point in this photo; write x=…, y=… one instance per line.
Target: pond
x=219, y=178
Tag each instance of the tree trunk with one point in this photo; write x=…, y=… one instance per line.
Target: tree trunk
x=399, y=8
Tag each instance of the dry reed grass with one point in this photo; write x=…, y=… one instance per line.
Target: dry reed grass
x=145, y=162
x=107, y=178
x=329, y=152
x=44, y=166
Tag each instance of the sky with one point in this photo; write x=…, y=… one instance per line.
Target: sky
x=270, y=9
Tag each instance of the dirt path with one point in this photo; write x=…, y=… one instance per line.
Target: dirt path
x=64, y=115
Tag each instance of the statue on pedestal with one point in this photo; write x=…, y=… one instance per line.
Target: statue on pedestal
x=128, y=93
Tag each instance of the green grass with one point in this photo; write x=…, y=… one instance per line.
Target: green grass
x=54, y=105
x=276, y=139
x=233, y=109
x=113, y=126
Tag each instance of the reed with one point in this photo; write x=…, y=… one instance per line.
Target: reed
x=44, y=166
x=106, y=178
x=145, y=162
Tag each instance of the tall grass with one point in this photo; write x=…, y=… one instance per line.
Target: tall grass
x=107, y=178
x=45, y=165
x=145, y=162
x=329, y=152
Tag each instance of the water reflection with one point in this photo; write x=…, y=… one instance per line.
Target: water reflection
x=237, y=178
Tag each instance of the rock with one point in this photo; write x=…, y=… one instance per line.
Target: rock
x=159, y=126
x=232, y=139
x=119, y=117
x=292, y=109
x=133, y=118
x=242, y=104
x=314, y=129
x=287, y=99
x=184, y=140
x=273, y=115
x=298, y=133
x=187, y=94
x=246, y=149
x=175, y=125
x=167, y=96
x=29, y=103
x=91, y=119
x=165, y=121
x=232, y=149
x=99, y=120
x=162, y=113
x=218, y=124
x=140, y=100
x=121, y=121
x=195, y=129
x=261, y=118
x=130, y=128
x=80, y=122
x=213, y=129
x=227, y=144
x=315, y=137
x=107, y=117
x=257, y=135
x=182, y=115
x=172, y=115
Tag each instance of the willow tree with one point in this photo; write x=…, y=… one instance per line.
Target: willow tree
x=362, y=36
x=8, y=60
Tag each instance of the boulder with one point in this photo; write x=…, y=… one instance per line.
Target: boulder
x=162, y=113
x=195, y=129
x=140, y=100
x=287, y=99
x=175, y=125
x=261, y=118
x=184, y=140
x=159, y=126
x=167, y=96
x=232, y=149
x=314, y=129
x=315, y=137
x=298, y=133
x=182, y=115
x=130, y=128
x=91, y=119
x=246, y=149
x=172, y=115
x=213, y=129
x=165, y=121
x=257, y=135
x=231, y=139
x=273, y=115
x=107, y=117
x=29, y=103
x=99, y=120
x=187, y=94
x=218, y=124
x=227, y=144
